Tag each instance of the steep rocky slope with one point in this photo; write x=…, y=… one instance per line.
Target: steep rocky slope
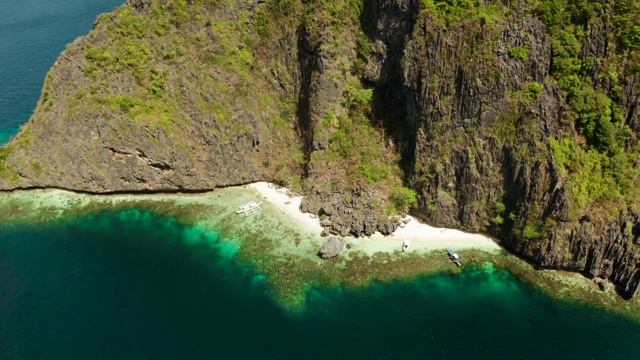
x=509, y=117
x=154, y=99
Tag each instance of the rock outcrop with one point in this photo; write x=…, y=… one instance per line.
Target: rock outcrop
x=339, y=213
x=331, y=248
x=486, y=113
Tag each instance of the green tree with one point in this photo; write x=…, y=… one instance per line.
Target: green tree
x=403, y=198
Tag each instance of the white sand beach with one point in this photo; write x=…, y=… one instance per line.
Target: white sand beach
x=295, y=229
x=423, y=237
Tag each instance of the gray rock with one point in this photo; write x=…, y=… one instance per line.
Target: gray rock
x=369, y=228
x=331, y=248
x=344, y=231
x=327, y=209
x=357, y=228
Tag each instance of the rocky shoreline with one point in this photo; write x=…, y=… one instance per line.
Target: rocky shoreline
x=296, y=240
x=339, y=215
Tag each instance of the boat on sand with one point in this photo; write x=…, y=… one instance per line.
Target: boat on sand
x=249, y=208
x=405, y=246
x=454, y=257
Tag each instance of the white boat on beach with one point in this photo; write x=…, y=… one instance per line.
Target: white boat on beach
x=249, y=208
x=454, y=257
x=406, y=244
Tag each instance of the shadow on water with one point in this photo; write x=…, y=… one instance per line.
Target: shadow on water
x=125, y=283
x=480, y=313
x=131, y=284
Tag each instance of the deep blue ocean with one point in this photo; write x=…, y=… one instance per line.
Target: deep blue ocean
x=32, y=35
x=119, y=286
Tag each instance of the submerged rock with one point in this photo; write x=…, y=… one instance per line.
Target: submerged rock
x=331, y=248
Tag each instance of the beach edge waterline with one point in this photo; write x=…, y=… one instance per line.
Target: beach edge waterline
x=284, y=246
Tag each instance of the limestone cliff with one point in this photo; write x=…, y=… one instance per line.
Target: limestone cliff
x=514, y=118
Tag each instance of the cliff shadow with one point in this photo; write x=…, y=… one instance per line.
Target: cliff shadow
x=306, y=60
x=387, y=23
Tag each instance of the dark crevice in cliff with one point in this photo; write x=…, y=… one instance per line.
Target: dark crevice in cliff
x=306, y=65
x=387, y=23
x=633, y=99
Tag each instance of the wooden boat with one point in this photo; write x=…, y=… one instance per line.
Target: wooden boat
x=405, y=246
x=249, y=208
x=454, y=257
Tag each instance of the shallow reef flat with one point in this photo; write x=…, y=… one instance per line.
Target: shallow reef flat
x=284, y=252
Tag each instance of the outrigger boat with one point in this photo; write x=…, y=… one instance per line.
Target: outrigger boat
x=249, y=208
x=454, y=257
x=405, y=246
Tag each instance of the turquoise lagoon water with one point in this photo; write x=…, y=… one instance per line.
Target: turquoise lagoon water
x=131, y=285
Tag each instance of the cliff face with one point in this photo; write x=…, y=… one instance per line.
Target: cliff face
x=484, y=158
x=155, y=99
x=500, y=117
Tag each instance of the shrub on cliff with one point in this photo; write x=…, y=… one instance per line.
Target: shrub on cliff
x=403, y=198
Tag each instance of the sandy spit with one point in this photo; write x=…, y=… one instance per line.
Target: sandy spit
x=424, y=238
